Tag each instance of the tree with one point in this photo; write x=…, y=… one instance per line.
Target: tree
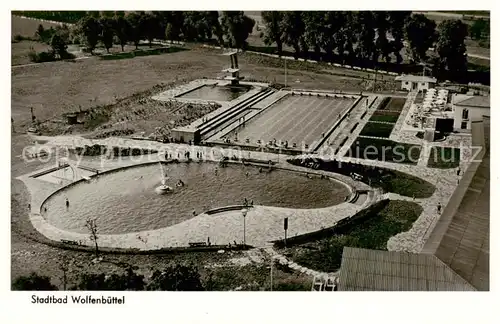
x=92, y=228
x=59, y=47
x=40, y=32
x=149, y=25
x=90, y=30
x=479, y=29
x=382, y=43
x=108, y=31
x=451, y=47
x=107, y=14
x=176, y=278
x=134, y=28
x=396, y=28
x=294, y=31
x=195, y=26
x=122, y=28
x=236, y=27
x=213, y=21
x=33, y=282
x=364, y=26
x=420, y=32
x=274, y=29
x=313, y=28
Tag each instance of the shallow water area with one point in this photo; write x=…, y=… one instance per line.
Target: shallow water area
x=126, y=201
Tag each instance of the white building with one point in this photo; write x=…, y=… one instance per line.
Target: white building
x=416, y=82
x=468, y=109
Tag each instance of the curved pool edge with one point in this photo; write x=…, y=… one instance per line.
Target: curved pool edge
x=263, y=223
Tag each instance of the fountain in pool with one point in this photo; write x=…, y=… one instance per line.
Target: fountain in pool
x=163, y=188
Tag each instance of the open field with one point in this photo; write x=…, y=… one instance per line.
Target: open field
x=20, y=51
x=60, y=87
x=27, y=27
x=296, y=119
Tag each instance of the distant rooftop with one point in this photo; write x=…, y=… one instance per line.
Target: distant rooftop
x=374, y=270
x=415, y=78
x=474, y=101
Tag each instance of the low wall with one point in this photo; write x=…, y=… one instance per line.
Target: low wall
x=225, y=209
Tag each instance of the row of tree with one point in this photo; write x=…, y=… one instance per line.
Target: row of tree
x=232, y=28
x=366, y=37
x=363, y=38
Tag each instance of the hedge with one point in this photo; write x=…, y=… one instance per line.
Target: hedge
x=386, y=179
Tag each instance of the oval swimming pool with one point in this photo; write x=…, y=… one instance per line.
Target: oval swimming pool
x=125, y=201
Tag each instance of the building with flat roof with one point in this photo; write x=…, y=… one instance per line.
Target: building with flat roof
x=468, y=109
x=416, y=82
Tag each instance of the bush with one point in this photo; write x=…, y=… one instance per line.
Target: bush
x=18, y=38
x=176, y=278
x=41, y=57
x=33, y=282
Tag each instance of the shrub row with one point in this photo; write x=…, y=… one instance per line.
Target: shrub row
x=386, y=179
x=97, y=149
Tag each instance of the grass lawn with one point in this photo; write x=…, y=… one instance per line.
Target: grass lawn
x=384, y=150
x=371, y=230
x=444, y=158
x=385, y=116
x=396, y=104
x=392, y=104
x=377, y=130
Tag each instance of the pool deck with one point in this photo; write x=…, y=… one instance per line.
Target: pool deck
x=263, y=224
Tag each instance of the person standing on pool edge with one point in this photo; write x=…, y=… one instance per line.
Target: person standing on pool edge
x=67, y=203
